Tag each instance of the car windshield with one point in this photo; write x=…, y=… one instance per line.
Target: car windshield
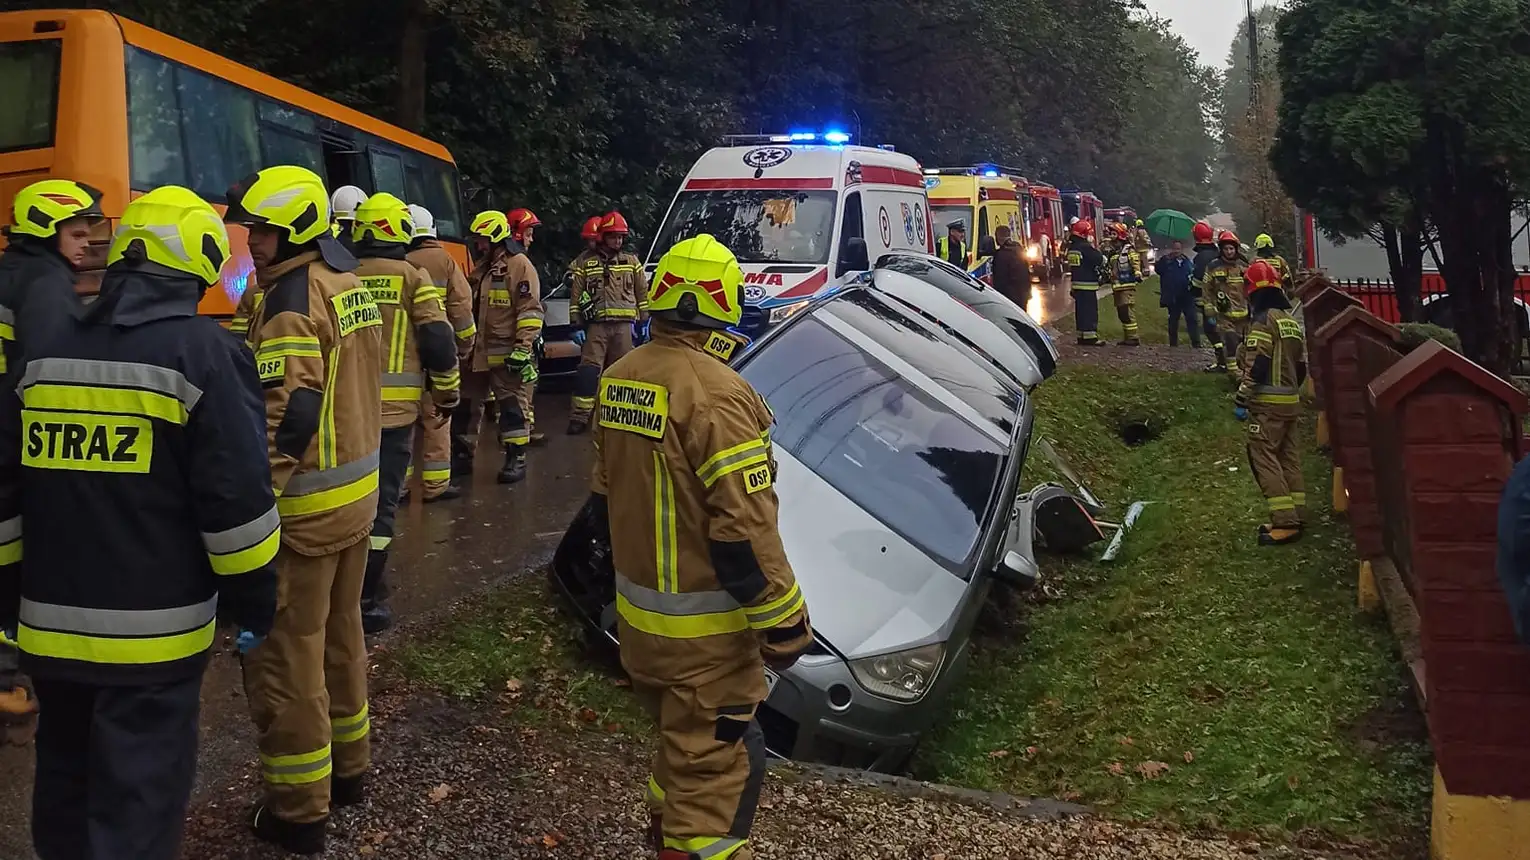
x=944, y=215
x=900, y=454
x=758, y=225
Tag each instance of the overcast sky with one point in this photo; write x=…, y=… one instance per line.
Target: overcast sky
x=1208, y=25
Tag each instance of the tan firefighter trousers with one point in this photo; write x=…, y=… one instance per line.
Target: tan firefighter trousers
x=307, y=682
x=433, y=441
x=710, y=766
x=604, y=344
x=1274, y=454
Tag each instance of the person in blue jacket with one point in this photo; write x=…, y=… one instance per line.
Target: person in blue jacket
x=1514, y=547
x=1174, y=272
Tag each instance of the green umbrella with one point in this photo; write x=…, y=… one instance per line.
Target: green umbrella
x=1170, y=222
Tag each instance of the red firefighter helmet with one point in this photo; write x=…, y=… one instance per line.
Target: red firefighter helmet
x=1082, y=228
x=591, y=229
x=1260, y=275
x=1118, y=230
x=613, y=222
x=1228, y=237
x=521, y=220
x=1203, y=233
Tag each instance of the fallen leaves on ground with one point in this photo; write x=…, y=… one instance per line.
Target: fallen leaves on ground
x=1152, y=769
x=440, y=793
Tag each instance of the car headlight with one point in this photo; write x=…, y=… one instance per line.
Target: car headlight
x=782, y=313
x=904, y=676
x=1033, y=252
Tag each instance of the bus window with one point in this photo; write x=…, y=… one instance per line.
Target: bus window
x=155, y=157
x=387, y=173
x=414, y=185
x=443, y=200
x=30, y=72
x=289, y=136
x=221, y=133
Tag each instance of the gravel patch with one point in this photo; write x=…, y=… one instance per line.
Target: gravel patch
x=1144, y=357
x=466, y=783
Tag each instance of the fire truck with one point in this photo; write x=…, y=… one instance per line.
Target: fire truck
x=1122, y=214
x=1084, y=206
x=1041, y=205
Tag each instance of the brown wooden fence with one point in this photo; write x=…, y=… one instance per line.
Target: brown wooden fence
x=1422, y=445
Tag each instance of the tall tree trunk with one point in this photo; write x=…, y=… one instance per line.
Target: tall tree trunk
x=1405, y=264
x=1476, y=241
x=411, y=67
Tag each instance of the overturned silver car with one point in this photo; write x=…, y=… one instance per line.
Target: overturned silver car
x=903, y=419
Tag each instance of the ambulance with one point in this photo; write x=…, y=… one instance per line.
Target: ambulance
x=803, y=212
x=982, y=197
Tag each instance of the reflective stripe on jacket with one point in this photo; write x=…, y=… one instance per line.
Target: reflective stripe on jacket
x=417, y=340
x=608, y=290
x=318, y=347
x=683, y=457
x=141, y=421
x=510, y=314
x=1273, y=362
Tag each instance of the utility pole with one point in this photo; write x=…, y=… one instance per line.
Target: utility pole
x=1255, y=114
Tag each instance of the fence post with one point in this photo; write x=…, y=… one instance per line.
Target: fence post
x=1338, y=345
x=1321, y=302
x=1457, y=434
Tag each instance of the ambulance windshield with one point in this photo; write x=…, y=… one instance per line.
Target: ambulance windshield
x=945, y=216
x=758, y=225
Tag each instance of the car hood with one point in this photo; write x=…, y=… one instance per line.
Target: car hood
x=868, y=590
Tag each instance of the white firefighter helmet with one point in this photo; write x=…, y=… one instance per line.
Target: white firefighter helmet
x=344, y=202
x=424, y=222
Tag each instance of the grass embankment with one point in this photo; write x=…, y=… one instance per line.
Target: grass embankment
x=515, y=647
x=1200, y=678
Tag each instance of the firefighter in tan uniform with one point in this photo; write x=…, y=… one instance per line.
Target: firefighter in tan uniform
x=1127, y=266
x=1225, y=292
x=610, y=296
x=1269, y=398
x=509, y=326
x=684, y=475
x=317, y=341
x=434, y=427
x=418, y=347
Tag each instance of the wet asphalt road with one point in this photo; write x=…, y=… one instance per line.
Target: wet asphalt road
x=443, y=551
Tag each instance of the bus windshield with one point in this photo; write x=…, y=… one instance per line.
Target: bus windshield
x=759, y=226
x=30, y=72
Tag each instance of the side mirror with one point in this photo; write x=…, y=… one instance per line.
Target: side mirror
x=856, y=257
x=1017, y=570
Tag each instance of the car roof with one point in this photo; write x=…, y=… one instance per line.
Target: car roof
x=937, y=353
x=973, y=310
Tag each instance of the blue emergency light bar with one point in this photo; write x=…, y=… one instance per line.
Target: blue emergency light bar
x=832, y=137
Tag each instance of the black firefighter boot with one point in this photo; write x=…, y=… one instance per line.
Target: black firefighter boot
x=514, y=470
x=1271, y=535
x=375, y=614
x=306, y=839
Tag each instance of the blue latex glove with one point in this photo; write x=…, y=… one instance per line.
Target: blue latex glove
x=1240, y=413
x=640, y=332
x=247, y=641
x=578, y=336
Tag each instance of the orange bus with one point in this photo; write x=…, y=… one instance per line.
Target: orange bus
x=94, y=97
